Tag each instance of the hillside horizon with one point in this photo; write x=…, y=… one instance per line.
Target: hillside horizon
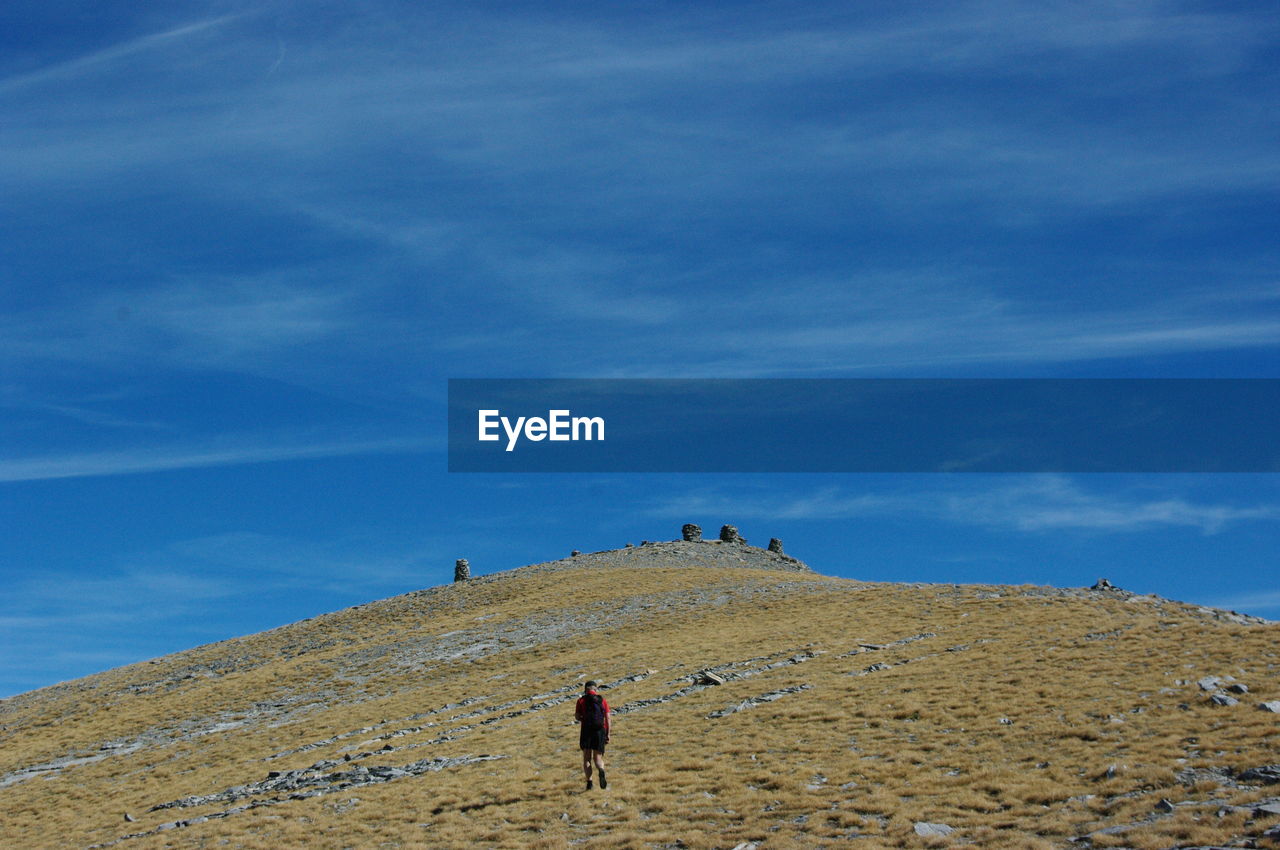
x=592, y=559
x=757, y=702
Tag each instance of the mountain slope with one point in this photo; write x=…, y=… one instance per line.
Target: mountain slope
x=849, y=714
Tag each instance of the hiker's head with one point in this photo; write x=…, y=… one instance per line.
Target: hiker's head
x=589, y=686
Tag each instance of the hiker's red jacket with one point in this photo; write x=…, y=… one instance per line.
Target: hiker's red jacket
x=581, y=707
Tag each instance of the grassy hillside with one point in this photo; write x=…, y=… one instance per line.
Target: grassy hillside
x=850, y=712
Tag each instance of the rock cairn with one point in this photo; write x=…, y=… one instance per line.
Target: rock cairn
x=691, y=533
x=461, y=570
x=729, y=534
x=775, y=545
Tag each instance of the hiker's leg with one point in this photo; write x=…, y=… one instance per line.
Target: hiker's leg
x=598, y=757
x=586, y=762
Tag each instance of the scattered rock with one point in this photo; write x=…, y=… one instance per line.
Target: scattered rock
x=461, y=570
x=1164, y=805
x=575, y=553
x=1209, y=683
x=1273, y=706
x=706, y=677
x=1238, y=688
x=1192, y=775
x=128, y=817
x=1102, y=584
x=924, y=830
x=775, y=545
x=691, y=533
x=1266, y=810
x=1268, y=774
x=1223, y=699
x=315, y=780
x=754, y=701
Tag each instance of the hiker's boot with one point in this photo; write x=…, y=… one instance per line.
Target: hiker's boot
x=589, y=783
x=604, y=783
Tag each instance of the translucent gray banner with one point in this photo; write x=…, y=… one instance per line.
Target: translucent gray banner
x=864, y=425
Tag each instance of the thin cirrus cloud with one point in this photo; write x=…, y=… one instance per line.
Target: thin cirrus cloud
x=927, y=338
x=630, y=125
x=1041, y=504
x=1263, y=600
x=61, y=71
x=173, y=580
x=219, y=323
x=157, y=458
x=494, y=101
x=248, y=324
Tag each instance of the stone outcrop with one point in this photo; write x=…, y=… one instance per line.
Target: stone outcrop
x=691, y=533
x=729, y=534
x=1267, y=774
x=462, y=570
x=775, y=545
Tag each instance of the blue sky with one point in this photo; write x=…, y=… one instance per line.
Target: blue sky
x=244, y=246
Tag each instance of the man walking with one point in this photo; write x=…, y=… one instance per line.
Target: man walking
x=593, y=713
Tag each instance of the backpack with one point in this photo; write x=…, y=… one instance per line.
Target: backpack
x=593, y=711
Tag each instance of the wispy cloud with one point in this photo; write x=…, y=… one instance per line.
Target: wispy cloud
x=1035, y=505
x=827, y=503
x=216, y=322
x=1262, y=600
x=593, y=176
x=86, y=63
x=188, y=592
x=158, y=458
x=1055, y=503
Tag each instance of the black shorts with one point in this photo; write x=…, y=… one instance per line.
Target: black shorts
x=591, y=739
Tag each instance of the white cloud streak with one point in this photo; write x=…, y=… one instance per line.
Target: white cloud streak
x=85, y=64
x=159, y=458
x=1262, y=600
x=582, y=121
x=1041, y=504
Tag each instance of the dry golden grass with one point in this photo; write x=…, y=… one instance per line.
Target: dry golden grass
x=1007, y=738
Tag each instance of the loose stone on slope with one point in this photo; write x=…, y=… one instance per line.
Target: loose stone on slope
x=1268, y=774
